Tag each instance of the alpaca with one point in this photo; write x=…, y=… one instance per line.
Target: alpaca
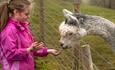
x=77, y=25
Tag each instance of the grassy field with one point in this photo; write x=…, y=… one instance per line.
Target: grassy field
x=53, y=18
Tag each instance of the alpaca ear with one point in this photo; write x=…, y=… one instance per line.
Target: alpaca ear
x=69, y=15
x=71, y=18
x=65, y=11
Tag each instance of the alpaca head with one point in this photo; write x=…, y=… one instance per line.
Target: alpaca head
x=70, y=30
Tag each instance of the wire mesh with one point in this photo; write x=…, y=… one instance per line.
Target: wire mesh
x=65, y=61
x=53, y=18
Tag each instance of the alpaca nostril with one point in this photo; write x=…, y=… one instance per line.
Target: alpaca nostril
x=61, y=44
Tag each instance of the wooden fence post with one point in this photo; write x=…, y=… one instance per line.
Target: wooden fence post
x=77, y=59
x=77, y=6
x=76, y=49
x=41, y=20
x=86, y=58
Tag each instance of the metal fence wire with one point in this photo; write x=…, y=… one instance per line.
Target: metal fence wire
x=49, y=16
x=70, y=59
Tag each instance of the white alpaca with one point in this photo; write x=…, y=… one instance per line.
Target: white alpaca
x=77, y=26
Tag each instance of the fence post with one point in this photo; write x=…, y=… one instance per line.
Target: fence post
x=41, y=20
x=86, y=58
x=77, y=6
x=77, y=54
x=76, y=49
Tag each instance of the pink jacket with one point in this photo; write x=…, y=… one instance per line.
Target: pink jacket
x=14, y=40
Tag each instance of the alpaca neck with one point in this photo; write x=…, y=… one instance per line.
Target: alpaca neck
x=107, y=36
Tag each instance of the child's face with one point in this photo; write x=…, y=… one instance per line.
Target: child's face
x=23, y=16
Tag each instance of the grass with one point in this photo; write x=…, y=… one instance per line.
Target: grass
x=53, y=17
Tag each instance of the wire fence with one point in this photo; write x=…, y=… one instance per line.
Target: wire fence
x=68, y=59
x=104, y=3
x=50, y=16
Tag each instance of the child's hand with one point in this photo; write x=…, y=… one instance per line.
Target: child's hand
x=53, y=52
x=35, y=46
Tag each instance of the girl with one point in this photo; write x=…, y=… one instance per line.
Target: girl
x=17, y=47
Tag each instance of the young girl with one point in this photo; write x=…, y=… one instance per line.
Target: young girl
x=16, y=43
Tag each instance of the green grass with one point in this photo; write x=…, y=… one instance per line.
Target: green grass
x=53, y=18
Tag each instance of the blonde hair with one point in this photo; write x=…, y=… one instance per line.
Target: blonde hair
x=8, y=7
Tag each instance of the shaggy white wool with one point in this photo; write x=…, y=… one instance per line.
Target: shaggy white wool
x=82, y=32
x=65, y=28
x=91, y=25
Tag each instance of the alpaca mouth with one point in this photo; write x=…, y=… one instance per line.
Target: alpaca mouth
x=66, y=47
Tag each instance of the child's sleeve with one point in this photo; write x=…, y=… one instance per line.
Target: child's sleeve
x=41, y=53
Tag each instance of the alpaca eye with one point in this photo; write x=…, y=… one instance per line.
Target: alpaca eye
x=70, y=34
